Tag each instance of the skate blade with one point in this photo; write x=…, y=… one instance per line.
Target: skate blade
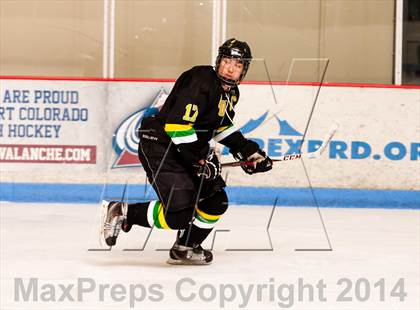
x=102, y=219
x=180, y=262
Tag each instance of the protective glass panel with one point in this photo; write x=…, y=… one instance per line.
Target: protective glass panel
x=160, y=39
x=411, y=43
x=51, y=38
x=357, y=37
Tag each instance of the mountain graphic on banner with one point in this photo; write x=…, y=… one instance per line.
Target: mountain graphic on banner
x=286, y=129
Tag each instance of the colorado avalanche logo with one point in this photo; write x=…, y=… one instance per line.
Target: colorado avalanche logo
x=125, y=139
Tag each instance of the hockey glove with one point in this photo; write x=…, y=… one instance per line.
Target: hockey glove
x=260, y=163
x=258, y=160
x=210, y=168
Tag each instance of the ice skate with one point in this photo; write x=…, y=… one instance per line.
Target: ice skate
x=183, y=255
x=113, y=215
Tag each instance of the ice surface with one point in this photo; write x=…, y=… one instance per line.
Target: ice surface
x=50, y=242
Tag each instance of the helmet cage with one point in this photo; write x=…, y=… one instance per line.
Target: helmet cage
x=230, y=82
x=238, y=50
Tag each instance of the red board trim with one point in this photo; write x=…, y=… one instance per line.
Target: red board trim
x=170, y=80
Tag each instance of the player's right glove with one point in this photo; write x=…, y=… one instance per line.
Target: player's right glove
x=210, y=168
x=258, y=160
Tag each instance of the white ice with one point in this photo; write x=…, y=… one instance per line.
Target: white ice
x=372, y=248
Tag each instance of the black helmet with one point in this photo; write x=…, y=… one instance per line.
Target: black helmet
x=233, y=48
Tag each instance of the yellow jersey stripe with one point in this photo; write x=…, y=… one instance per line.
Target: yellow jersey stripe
x=178, y=127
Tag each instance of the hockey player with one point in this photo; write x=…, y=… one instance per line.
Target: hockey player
x=180, y=165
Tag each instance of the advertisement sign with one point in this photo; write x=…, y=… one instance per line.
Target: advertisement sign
x=45, y=124
x=376, y=146
x=90, y=129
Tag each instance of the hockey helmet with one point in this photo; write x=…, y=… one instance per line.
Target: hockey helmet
x=236, y=49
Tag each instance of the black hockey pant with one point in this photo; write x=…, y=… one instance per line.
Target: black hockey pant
x=181, y=204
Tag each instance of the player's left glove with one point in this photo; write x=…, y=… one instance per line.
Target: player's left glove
x=257, y=160
x=260, y=163
x=210, y=168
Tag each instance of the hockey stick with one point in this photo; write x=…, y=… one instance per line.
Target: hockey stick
x=314, y=154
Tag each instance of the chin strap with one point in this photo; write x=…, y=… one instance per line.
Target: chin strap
x=228, y=82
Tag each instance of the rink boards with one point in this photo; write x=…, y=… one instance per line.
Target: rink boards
x=78, y=137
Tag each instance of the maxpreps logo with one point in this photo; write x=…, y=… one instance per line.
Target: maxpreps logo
x=125, y=139
x=287, y=142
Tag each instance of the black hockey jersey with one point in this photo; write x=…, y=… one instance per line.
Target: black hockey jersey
x=196, y=111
